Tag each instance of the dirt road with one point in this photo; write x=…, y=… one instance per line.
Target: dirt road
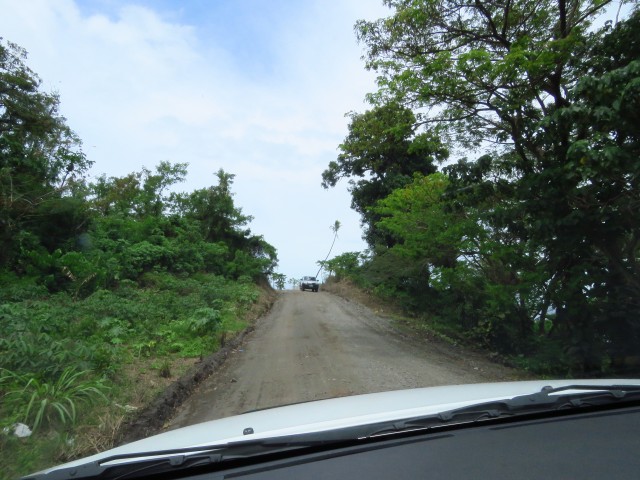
x=318, y=345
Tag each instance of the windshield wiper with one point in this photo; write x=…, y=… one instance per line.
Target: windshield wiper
x=127, y=466
x=549, y=399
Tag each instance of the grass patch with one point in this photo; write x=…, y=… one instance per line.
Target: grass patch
x=101, y=359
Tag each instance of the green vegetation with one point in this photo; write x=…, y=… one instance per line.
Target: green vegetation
x=530, y=249
x=108, y=289
x=279, y=280
x=36, y=402
x=383, y=152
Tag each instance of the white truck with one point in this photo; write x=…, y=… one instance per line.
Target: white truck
x=309, y=283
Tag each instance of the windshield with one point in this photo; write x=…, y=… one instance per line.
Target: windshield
x=460, y=179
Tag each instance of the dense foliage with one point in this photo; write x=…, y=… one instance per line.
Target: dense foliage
x=530, y=248
x=99, y=275
x=383, y=151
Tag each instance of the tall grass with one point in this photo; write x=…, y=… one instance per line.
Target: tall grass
x=39, y=403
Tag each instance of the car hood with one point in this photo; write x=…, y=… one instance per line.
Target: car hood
x=336, y=413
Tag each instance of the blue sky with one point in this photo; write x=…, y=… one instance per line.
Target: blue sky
x=256, y=87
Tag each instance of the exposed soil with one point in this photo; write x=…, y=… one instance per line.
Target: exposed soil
x=310, y=346
x=319, y=345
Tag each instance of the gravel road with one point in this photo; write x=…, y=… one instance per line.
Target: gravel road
x=318, y=345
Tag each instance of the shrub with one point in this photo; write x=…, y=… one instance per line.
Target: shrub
x=18, y=289
x=142, y=257
x=83, y=276
x=204, y=321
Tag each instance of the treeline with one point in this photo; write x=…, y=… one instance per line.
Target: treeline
x=77, y=236
x=99, y=274
x=529, y=246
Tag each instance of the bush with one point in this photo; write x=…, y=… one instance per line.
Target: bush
x=142, y=257
x=17, y=289
x=215, y=257
x=37, y=337
x=82, y=274
x=204, y=321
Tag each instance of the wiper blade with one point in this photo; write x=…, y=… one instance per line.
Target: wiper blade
x=132, y=465
x=549, y=399
x=547, y=396
x=105, y=468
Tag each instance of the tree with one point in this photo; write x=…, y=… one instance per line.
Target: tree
x=481, y=71
x=343, y=265
x=382, y=150
x=214, y=208
x=220, y=221
x=473, y=275
x=556, y=106
x=154, y=199
x=334, y=228
x=593, y=249
x=279, y=280
x=40, y=156
x=139, y=194
x=415, y=215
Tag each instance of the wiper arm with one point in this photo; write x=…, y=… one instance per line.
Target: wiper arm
x=145, y=463
x=138, y=462
x=547, y=400
x=547, y=395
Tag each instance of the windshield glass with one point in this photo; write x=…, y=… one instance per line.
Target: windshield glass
x=211, y=208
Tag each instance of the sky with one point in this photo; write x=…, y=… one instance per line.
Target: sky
x=259, y=88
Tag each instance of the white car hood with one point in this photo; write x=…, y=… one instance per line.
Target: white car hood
x=336, y=413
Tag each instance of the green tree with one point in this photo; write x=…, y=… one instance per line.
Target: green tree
x=40, y=157
x=214, y=209
x=155, y=200
x=221, y=221
x=342, y=266
x=115, y=195
x=470, y=274
x=381, y=152
x=557, y=106
x=592, y=233
x=481, y=71
x=263, y=254
x=279, y=280
x=139, y=194
x=415, y=215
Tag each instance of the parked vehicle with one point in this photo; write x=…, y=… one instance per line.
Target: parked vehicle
x=535, y=429
x=309, y=283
